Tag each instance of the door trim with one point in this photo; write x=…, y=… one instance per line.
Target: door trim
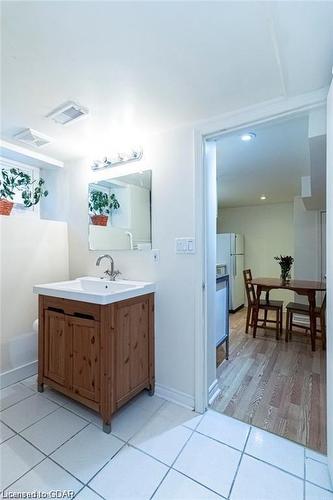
x=209, y=131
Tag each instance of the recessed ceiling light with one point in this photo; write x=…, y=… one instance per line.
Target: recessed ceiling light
x=248, y=136
x=263, y=197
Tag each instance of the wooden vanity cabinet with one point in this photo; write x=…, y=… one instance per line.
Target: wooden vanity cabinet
x=99, y=355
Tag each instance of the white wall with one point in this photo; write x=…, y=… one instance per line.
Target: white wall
x=268, y=231
x=171, y=158
x=307, y=242
x=54, y=205
x=330, y=279
x=32, y=251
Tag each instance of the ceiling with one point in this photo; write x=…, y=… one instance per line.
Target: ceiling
x=272, y=164
x=144, y=67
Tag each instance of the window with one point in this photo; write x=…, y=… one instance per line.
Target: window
x=19, y=207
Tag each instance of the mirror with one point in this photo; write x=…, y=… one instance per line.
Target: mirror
x=119, y=212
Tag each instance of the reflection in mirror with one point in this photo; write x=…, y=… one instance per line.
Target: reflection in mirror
x=120, y=213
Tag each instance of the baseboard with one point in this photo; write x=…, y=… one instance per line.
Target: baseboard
x=213, y=392
x=170, y=394
x=233, y=311
x=17, y=374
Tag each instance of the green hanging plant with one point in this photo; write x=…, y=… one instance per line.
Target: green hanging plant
x=14, y=180
x=101, y=203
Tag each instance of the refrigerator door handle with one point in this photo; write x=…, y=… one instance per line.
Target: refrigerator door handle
x=235, y=266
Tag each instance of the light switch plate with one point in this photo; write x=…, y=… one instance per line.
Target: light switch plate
x=185, y=245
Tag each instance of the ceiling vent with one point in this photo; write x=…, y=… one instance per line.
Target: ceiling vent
x=68, y=113
x=32, y=138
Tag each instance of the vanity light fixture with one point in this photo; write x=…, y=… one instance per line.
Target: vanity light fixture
x=249, y=136
x=118, y=159
x=263, y=197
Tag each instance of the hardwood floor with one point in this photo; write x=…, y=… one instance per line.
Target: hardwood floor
x=274, y=385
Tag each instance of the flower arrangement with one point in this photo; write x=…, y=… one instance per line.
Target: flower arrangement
x=286, y=262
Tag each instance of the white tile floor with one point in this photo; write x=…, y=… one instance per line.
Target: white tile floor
x=156, y=450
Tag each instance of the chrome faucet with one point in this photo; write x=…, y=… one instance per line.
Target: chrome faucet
x=110, y=273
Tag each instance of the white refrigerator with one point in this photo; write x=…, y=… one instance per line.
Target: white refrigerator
x=230, y=252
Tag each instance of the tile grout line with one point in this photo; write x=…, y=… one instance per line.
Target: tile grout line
x=76, y=494
x=200, y=484
x=57, y=448
x=99, y=470
x=90, y=489
x=170, y=467
x=17, y=402
x=48, y=456
x=318, y=486
x=316, y=460
x=248, y=454
x=160, y=483
x=275, y=466
x=45, y=458
x=3, y=490
x=37, y=421
x=239, y=463
x=126, y=443
x=221, y=442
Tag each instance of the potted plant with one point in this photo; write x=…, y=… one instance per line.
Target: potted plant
x=14, y=180
x=101, y=205
x=286, y=262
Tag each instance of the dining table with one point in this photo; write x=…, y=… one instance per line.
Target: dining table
x=301, y=287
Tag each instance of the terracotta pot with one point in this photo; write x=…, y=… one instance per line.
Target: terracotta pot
x=5, y=206
x=99, y=220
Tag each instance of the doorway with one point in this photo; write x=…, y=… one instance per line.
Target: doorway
x=251, y=360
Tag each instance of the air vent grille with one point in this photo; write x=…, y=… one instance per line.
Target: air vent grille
x=32, y=138
x=68, y=113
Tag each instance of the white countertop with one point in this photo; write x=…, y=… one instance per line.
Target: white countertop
x=96, y=290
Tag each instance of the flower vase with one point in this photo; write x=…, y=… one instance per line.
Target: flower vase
x=285, y=276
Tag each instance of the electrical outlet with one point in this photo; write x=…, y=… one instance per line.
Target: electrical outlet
x=156, y=255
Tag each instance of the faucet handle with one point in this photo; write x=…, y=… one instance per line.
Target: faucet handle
x=116, y=273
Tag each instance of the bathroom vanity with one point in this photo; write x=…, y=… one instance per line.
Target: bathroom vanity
x=96, y=341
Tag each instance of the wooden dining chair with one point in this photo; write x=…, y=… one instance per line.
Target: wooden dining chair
x=304, y=310
x=265, y=305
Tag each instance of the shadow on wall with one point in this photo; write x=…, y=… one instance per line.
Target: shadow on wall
x=33, y=251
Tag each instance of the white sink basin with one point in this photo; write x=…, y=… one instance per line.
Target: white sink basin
x=95, y=290
x=100, y=285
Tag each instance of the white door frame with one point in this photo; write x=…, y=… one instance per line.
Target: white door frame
x=247, y=117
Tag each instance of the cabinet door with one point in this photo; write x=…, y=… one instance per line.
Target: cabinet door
x=84, y=336
x=55, y=347
x=131, y=346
